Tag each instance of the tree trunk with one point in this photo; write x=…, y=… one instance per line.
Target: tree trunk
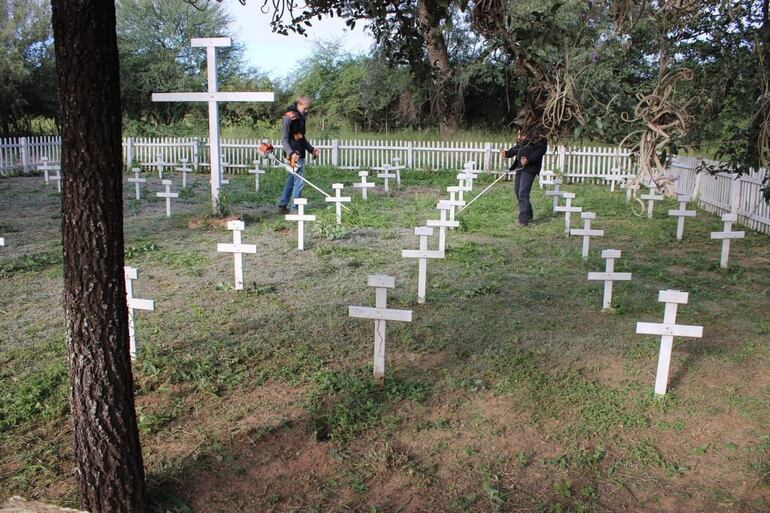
x=108, y=456
x=449, y=101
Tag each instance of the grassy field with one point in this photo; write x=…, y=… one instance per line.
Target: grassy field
x=509, y=391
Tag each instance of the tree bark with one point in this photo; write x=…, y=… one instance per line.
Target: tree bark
x=108, y=455
x=449, y=100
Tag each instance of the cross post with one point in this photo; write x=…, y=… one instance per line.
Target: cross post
x=609, y=276
x=238, y=250
x=586, y=232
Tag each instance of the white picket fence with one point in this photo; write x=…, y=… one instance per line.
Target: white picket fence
x=718, y=193
x=725, y=192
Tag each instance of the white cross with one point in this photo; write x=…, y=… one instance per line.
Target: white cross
x=300, y=217
x=159, y=164
x=237, y=249
x=651, y=198
x=667, y=331
x=423, y=255
x=614, y=177
x=387, y=168
x=586, y=232
x=256, y=172
x=381, y=314
x=680, y=214
x=168, y=195
x=213, y=97
x=462, y=184
x=338, y=200
x=555, y=193
x=385, y=175
x=547, y=177
x=364, y=185
x=609, y=275
x=453, y=202
x=56, y=178
x=133, y=303
x=470, y=175
x=184, y=169
x=725, y=236
x=442, y=224
x=45, y=167
x=137, y=181
x=568, y=209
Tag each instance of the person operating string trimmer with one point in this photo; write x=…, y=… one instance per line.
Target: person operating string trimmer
x=295, y=147
x=528, y=155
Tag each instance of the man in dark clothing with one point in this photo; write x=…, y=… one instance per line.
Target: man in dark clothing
x=527, y=155
x=295, y=147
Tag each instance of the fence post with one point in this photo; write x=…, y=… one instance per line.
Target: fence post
x=561, y=161
x=487, y=156
x=335, y=152
x=24, y=143
x=196, y=154
x=735, y=193
x=410, y=155
x=129, y=152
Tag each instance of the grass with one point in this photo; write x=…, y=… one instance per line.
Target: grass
x=510, y=389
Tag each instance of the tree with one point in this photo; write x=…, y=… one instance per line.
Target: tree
x=108, y=455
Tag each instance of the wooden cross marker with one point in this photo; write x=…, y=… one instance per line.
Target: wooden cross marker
x=546, y=177
x=385, y=175
x=381, y=314
x=614, y=178
x=555, y=193
x=462, y=184
x=667, y=331
x=609, y=275
x=338, y=200
x=726, y=235
x=397, y=167
x=453, y=202
x=168, y=195
x=238, y=250
x=394, y=170
x=442, y=224
x=46, y=167
x=137, y=182
x=586, y=232
x=56, y=178
x=213, y=97
x=364, y=185
x=568, y=209
x=470, y=175
x=651, y=198
x=300, y=217
x=184, y=169
x=256, y=172
x=133, y=303
x=423, y=255
x=680, y=214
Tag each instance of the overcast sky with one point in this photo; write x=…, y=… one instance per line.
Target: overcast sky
x=279, y=55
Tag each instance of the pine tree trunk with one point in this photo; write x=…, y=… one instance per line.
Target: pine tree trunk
x=108, y=456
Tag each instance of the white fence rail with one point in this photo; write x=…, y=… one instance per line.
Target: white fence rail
x=725, y=192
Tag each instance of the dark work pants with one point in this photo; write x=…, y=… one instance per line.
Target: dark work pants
x=523, y=184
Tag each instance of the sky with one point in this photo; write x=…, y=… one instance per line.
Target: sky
x=280, y=55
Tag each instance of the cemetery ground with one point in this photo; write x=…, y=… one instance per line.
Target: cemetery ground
x=509, y=391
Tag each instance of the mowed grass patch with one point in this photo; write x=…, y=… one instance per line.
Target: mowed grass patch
x=510, y=388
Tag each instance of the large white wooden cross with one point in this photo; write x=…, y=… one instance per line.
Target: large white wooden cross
x=168, y=195
x=586, y=232
x=667, y=331
x=137, y=181
x=237, y=249
x=442, y=224
x=381, y=314
x=213, y=97
x=609, y=275
x=726, y=235
x=680, y=214
x=300, y=217
x=338, y=200
x=422, y=254
x=364, y=185
x=568, y=209
x=651, y=198
x=133, y=303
